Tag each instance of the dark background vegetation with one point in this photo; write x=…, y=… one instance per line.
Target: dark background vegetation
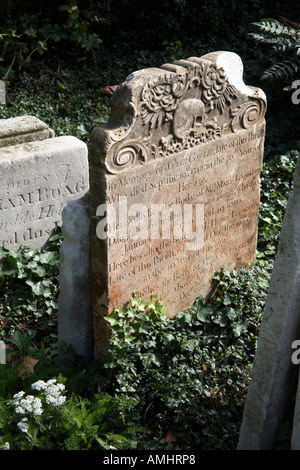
x=66, y=30
x=99, y=42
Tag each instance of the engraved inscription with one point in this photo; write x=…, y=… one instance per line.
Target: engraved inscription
x=218, y=177
x=35, y=189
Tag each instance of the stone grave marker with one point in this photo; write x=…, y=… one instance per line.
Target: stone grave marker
x=39, y=174
x=174, y=184
x=75, y=305
x=274, y=376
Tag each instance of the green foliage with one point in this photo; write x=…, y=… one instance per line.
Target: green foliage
x=276, y=185
x=62, y=99
x=27, y=32
x=29, y=282
x=78, y=29
x=189, y=374
x=46, y=417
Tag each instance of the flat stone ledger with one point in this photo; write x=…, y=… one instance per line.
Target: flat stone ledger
x=37, y=179
x=178, y=166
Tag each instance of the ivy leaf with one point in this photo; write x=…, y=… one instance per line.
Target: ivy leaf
x=41, y=287
x=239, y=328
x=227, y=299
x=9, y=266
x=232, y=314
x=220, y=320
x=128, y=338
x=112, y=319
x=151, y=358
x=204, y=315
x=49, y=257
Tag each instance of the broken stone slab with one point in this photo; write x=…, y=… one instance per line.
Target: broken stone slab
x=37, y=179
x=75, y=306
x=274, y=375
x=22, y=129
x=187, y=136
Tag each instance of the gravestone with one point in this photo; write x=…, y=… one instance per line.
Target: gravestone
x=75, y=305
x=274, y=375
x=39, y=174
x=174, y=184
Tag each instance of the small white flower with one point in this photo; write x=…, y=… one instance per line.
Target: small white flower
x=50, y=399
x=51, y=382
x=6, y=446
x=55, y=401
x=18, y=396
x=20, y=410
x=22, y=425
x=54, y=389
x=37, y=407
x=39, y=385
x=26, y=403
x=30, y=404
x=60, y=401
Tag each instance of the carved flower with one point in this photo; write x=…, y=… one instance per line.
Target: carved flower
x=214, y=84
x=162, y=96
x=159, y=100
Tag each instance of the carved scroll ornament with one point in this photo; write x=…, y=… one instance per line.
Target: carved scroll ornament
x=180, y=109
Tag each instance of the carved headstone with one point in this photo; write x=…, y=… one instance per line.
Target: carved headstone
x=39, y=174
x=177, y=166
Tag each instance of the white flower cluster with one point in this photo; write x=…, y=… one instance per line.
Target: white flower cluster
x=30, y=404
x=52, y=391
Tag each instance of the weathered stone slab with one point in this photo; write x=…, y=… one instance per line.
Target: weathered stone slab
x=75, y=306
x=2, y=92
x=189, y=136
x=295, y=438
x=274, y=375
x=37, y=179
x=21, y=129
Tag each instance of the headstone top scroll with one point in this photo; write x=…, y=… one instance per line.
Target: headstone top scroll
x=159, y=112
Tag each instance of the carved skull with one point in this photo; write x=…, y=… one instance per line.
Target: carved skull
x=189, y=114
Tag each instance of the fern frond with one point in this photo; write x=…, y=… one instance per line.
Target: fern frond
x=285, y=44
x=281, y=71
x=283, y=40
x=261, y=38
x=275, y=28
